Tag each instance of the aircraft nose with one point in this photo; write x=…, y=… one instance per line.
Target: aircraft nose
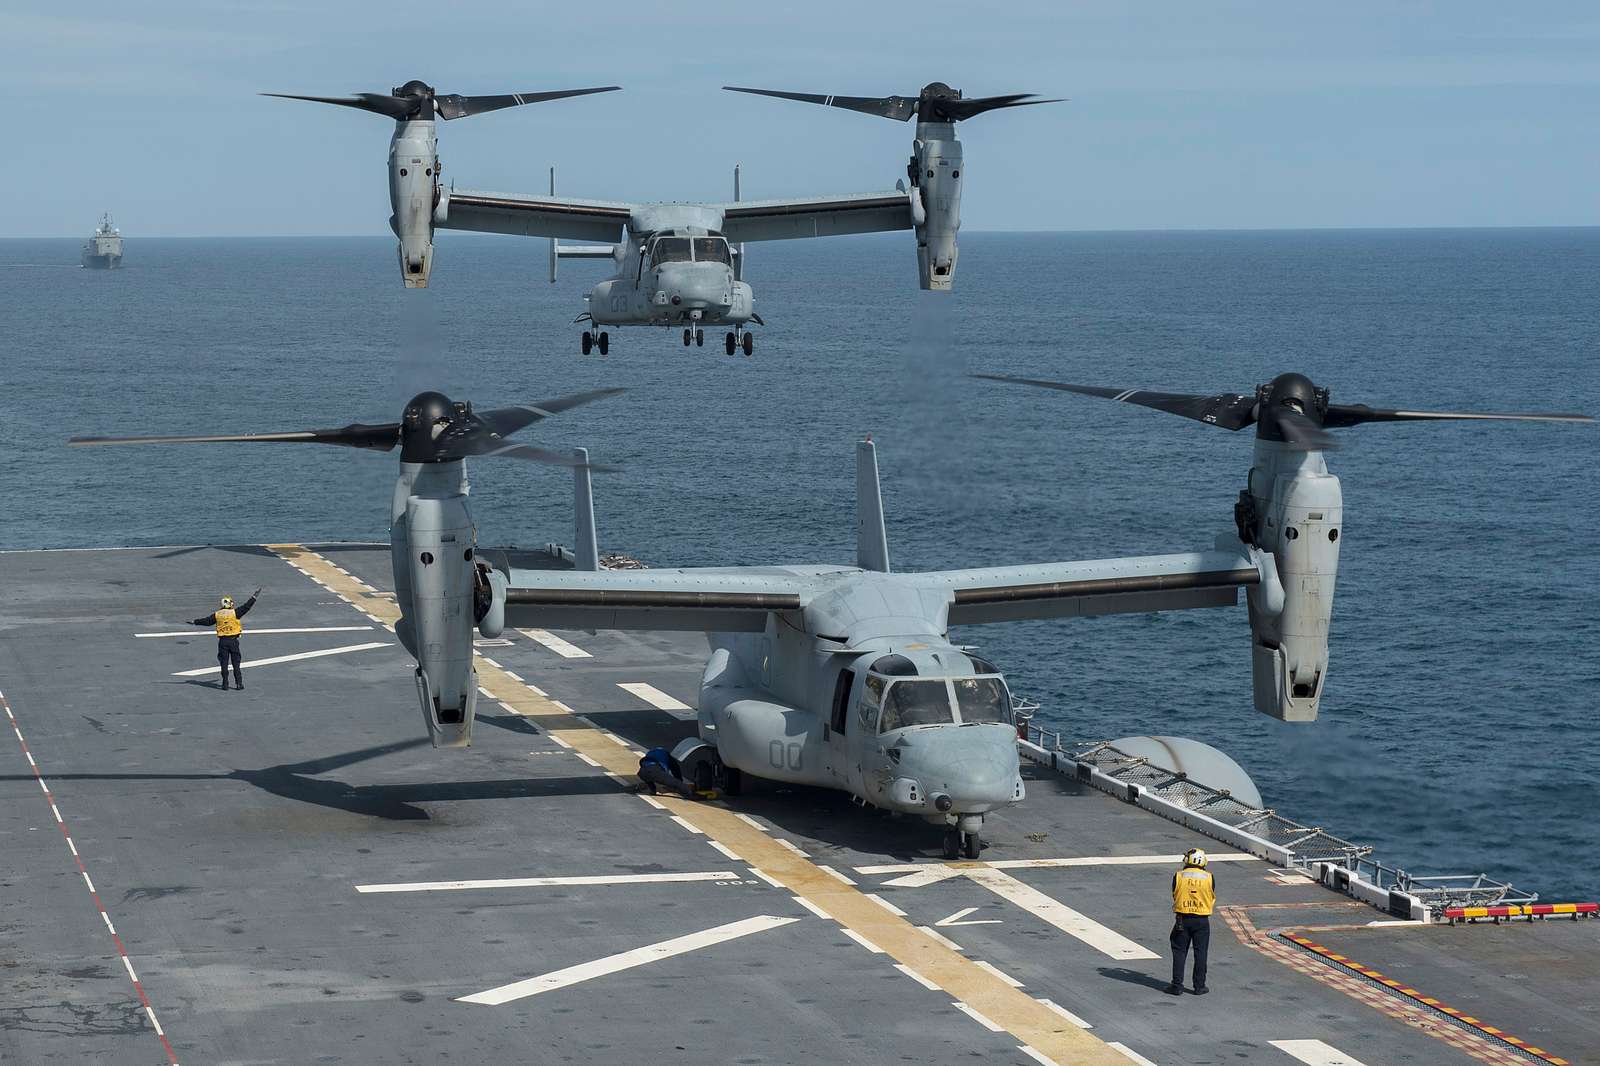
x=976, y=766
x=697, y=284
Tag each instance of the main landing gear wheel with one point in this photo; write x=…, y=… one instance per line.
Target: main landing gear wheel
x=605, y=342
x=952, y=844
x=688, y=337
x=973, y=845
x=588, y=342
x=700, y=338
x=731, y=343
x=749, y=340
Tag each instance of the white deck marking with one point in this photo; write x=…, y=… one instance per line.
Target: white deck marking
x=553, y=882
x=975, y=1016
x=561, y=647
x=1037, y=1056
x=657, y=804
x=720, y=846
x=885, y=904
x=200, y=631
x=792, y=847
x=1315, y=1053
x=941, y=938
x=1107, y=941
x=1130, y=1053
x=1045, y=864
x=998, y=972
x=129, y=967
x=768, y=878
x=956, y=919
x=834, y=873
x=863, y=941
x=685, y=823
x=917, y=977
x=588, y=760
x=653, y=696
x=286, y=658
x=751, y=822
x=925, y=876
x=626, y=960
x=1065, y=1013
x=812, y=907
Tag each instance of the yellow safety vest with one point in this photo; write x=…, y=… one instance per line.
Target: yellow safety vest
x=1192, y=891
x=227, y=623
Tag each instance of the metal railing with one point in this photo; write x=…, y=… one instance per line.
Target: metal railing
x=1306, y=845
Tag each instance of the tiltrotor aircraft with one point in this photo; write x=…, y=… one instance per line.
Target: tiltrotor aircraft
x=676, y=265
x=843, y=676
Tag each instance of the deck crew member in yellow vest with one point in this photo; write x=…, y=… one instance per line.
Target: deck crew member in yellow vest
x=1194, y=896
x=226, y=620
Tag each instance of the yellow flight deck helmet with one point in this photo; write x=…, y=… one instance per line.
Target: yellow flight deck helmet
x=227, y=601
x=1194, y=857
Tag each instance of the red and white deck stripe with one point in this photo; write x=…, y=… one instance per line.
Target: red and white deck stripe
x=83, y=871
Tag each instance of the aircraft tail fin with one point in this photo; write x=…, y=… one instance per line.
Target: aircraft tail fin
x=872, y=541
x=585, y=545
x=555, y=252
x=738, y=253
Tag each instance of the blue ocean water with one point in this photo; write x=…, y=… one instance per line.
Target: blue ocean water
x=1458, y=729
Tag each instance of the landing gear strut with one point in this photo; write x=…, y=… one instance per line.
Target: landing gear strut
x=958, y=844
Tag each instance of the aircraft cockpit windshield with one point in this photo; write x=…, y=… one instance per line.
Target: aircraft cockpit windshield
x=670, y=250
x=939, y=701
x=712, y=250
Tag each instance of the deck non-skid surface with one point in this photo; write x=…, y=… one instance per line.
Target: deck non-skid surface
x=295, y=875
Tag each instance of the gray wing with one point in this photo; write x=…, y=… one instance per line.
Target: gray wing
x=818, y=216
x=533, y=216
x=1098, y=587
x=700, y=601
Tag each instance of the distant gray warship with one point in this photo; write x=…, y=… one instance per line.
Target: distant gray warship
x=103, y=251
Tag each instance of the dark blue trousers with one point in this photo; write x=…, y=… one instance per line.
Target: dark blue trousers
x=1187, y=930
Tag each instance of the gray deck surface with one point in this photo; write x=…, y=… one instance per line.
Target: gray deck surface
x=225, y=834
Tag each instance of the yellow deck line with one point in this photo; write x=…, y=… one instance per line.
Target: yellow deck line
x=1024, y=1017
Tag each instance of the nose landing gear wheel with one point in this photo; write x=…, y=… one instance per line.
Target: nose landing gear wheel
x=605, y=342
x=688, y=336
x=588, y=341
x=731, y=343
x=749, y=344
x=700, y=338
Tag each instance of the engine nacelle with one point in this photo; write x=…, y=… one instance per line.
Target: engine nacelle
x=414, y=193
x=935, y=172
x=1293, y=509
x=442, y=614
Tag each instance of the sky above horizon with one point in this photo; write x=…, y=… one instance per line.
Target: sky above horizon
x=1181, y=115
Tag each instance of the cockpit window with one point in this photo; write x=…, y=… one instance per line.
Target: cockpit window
x=711, y=250
x=871, y=697
x=670, y=250
x=911, y=703
x=983, y=699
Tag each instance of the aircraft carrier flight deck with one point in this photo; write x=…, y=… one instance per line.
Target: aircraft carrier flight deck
x=291, y=874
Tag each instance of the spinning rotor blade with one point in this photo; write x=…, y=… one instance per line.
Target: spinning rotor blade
x=457, y=106
x=1230, y=410
x=936, y=103
x=1340, y=415
x=380, y=437
x=1289, y=409
x=507, y=420
x=956, y=110
x=395, y=107
x=898, y=108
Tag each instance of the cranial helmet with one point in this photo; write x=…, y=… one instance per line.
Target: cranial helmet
x=1194, y=857
x=227, y=601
